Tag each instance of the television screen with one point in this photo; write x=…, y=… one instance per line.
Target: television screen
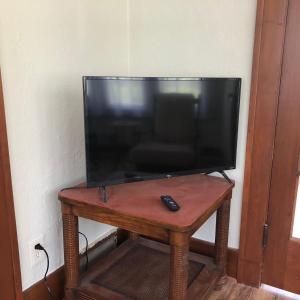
x=142, y=128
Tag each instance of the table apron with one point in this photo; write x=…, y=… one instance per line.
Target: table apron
x=124, y=223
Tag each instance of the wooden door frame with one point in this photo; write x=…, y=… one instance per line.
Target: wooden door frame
x=266, y=75
x=6, y=195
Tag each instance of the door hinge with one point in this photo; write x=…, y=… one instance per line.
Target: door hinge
x=265, y=235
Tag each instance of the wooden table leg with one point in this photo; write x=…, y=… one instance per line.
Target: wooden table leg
x=179, y=244
x=71, y=251
x=221, y=241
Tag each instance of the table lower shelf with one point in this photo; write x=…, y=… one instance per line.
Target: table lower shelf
x=139, y=269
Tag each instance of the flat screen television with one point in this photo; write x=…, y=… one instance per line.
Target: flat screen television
x=144, y=128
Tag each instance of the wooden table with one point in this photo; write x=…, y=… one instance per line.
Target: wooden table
x=137, y=208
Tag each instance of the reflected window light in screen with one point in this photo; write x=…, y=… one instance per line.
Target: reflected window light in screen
x=122, y=95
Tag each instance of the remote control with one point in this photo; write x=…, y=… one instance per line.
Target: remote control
x=170, y=203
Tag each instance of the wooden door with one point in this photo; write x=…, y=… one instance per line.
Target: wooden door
x=281, y=267
x=10, y=278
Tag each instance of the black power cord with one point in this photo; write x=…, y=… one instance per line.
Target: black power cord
x=86, y=250
x=40, y=247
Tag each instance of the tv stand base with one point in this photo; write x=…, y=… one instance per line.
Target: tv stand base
x=104, y=194
x=222, y=173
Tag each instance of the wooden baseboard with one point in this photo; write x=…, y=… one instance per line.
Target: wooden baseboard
x=38, y=291
x=56, y=280
x=207, y=248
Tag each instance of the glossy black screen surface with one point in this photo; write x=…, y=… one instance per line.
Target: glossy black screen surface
x=139, y=128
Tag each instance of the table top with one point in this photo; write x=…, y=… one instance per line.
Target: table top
x=198, y=196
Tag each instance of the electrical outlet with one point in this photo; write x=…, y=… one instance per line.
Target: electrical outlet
x=36, y=256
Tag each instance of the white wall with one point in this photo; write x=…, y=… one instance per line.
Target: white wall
x=198, y=38
x=45, y=48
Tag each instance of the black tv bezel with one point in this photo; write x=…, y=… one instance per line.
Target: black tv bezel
x=160, y=175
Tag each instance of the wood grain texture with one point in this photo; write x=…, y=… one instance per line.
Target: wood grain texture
x=139, y=202
x=56, y=279
x=281, y=259
x=128, y=223
x=136, y=207
x=71, y=254
x=234, y=291
x=38, y=291
x=10, y=274
x=200, y=247
x=265, y=86
x=221, y=240
x=228, y=291
x=130, y=285
x=207, y=248
x=179, y=272
x=292, y=272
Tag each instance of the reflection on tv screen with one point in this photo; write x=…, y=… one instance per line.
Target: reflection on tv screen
x=139, y=128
